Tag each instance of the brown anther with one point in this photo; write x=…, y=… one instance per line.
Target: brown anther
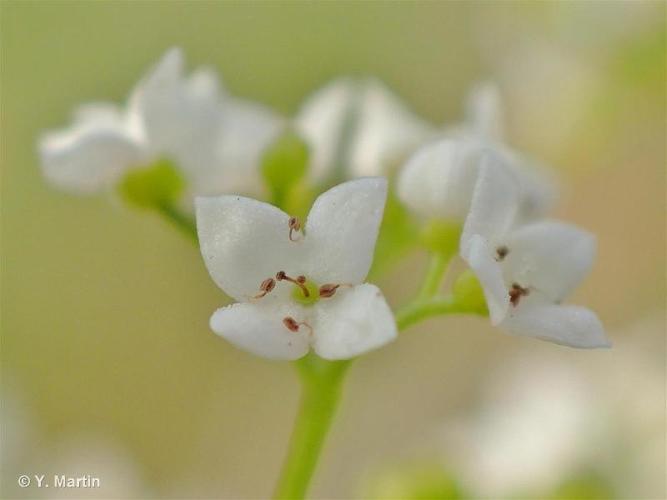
x=267, y=285
x=294, y=224
x=516, y=292
x=293, y=326
x=502, y=252
x=328, y=290
x=299, y=281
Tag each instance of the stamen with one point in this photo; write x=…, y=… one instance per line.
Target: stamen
x=516, y=292
x=502, y=252
x=299, y=281
x=267, y=285
x=294, y=224
x=328, y=290
x=293, y=326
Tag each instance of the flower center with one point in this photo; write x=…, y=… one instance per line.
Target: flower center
x=307, y=294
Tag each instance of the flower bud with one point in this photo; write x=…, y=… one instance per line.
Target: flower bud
x=438, y=180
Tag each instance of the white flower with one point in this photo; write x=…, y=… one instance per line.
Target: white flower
x=533, y=429
x=484, y=114
x=297, y=289
x=356, y=128
x=187, y=119
x=484, y=124
x=527, y=270
x=438, y=180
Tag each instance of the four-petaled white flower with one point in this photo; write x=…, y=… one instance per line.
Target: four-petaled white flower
x=358, y=128
x=214, y=139
x=298, y=289
x=527, y=270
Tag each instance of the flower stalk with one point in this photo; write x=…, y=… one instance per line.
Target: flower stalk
x=321, y=383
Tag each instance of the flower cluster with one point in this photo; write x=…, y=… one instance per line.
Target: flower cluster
x=214, y=139
x=526, y=265
x=301, y=286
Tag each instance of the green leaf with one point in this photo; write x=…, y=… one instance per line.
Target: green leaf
x=155, y=186
x=284, y=165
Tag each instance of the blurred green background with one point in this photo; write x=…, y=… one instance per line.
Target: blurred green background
x=108, y=365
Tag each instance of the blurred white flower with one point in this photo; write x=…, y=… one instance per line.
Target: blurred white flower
x=26, y=449
x=545, y=420
x=214, y=139
x=97, y=456
x=531, y=432
x=484, y=114
x=298, y=289
x=484, y=123
x=357, y=128
x=527, y=270
x=438, y=180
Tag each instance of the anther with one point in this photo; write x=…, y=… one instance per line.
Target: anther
x=267, y=285
x=294, y=224
x=516, y=292
x=328, y=290
x=299, y=281
x=502, y=252
x=293, y=326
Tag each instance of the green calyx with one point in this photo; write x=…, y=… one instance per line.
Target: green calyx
x=442, y=236
x=155, y=186
x=284, y=166
x=299, y=294
x=468, y=292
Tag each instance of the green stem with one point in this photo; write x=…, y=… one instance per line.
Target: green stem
x=322, y=380
x=433, y=278
x=321, y=387
x=182, y=221
x=420, y=310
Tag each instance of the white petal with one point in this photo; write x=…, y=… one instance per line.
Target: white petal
x=322, y=121
x=386, y=131
x=484, y=112
x=244, y=242
x=353, y=322
x=179, y=116
x=438, y=180
x=552, y=257
x=357, y=128
x=537, y=185
x=259, y=330
x=567, y=325
x=342, y=228
x=247, y=129
x=481, y=259
x=494, y=204
x=93, y=153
